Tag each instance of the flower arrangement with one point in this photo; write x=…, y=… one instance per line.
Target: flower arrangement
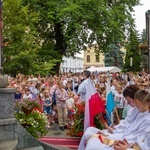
x=77, y=129
x=27, y=105
x=31, y=118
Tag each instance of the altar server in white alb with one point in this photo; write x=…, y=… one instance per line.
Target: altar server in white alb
x=135, y=129
x=128, y=93
x=142, y=142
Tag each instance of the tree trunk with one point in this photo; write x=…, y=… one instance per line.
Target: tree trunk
x=60, y=45
x=57, y=68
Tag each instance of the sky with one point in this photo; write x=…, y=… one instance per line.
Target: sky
x=139, y=16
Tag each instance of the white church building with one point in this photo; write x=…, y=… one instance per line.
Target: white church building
x=72, y=64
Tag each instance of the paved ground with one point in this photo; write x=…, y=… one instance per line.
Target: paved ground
x=55, y=131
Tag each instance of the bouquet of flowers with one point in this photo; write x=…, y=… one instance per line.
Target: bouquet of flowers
x=76, y=130
x=26, y=105
x=33, y=120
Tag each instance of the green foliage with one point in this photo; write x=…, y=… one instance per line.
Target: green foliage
x=21, y=40
x=114, y=57
x=72, y=21
x=144, y=61
x=132, y=50
x=35, y=122
x=19, y=35
x=56, y=27
x=27, y=113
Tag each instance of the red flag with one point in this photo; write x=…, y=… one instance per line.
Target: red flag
x=96, y=106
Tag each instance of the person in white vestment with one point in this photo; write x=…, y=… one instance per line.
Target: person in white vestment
x=142, y=142
x=134, y=130
x=128, y=93
x=127, y=129
x=85, y=91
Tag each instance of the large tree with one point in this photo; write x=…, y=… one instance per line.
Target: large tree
x=18, y=38
x=132, y=51
x=65, y=27
x=21, y=40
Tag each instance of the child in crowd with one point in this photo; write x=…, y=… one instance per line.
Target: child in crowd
x=123, y=85
x=103, y=93
x=18, y=94
x=40, y=102
x=27, y=94
x=130, y=79
x=61, y=96
x=97, y=86
x=28, y=84
x=33, y=90
x=102, y=82
x=69, y=86
x=70, y=107
x=23, y=87
x=119, y=103
x=48, y=106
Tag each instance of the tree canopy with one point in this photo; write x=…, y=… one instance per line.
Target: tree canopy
x=48, y=29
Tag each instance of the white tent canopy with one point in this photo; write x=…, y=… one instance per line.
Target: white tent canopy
x=104, y=69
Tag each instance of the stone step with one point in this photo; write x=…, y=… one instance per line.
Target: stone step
x=70, y=142
x=34, y=148
x=8, y=145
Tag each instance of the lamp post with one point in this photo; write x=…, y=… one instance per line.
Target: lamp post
x=1, y=27
x=147, y=14
x=3, y=79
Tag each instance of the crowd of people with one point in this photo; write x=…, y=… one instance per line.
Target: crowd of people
x=59, y=94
